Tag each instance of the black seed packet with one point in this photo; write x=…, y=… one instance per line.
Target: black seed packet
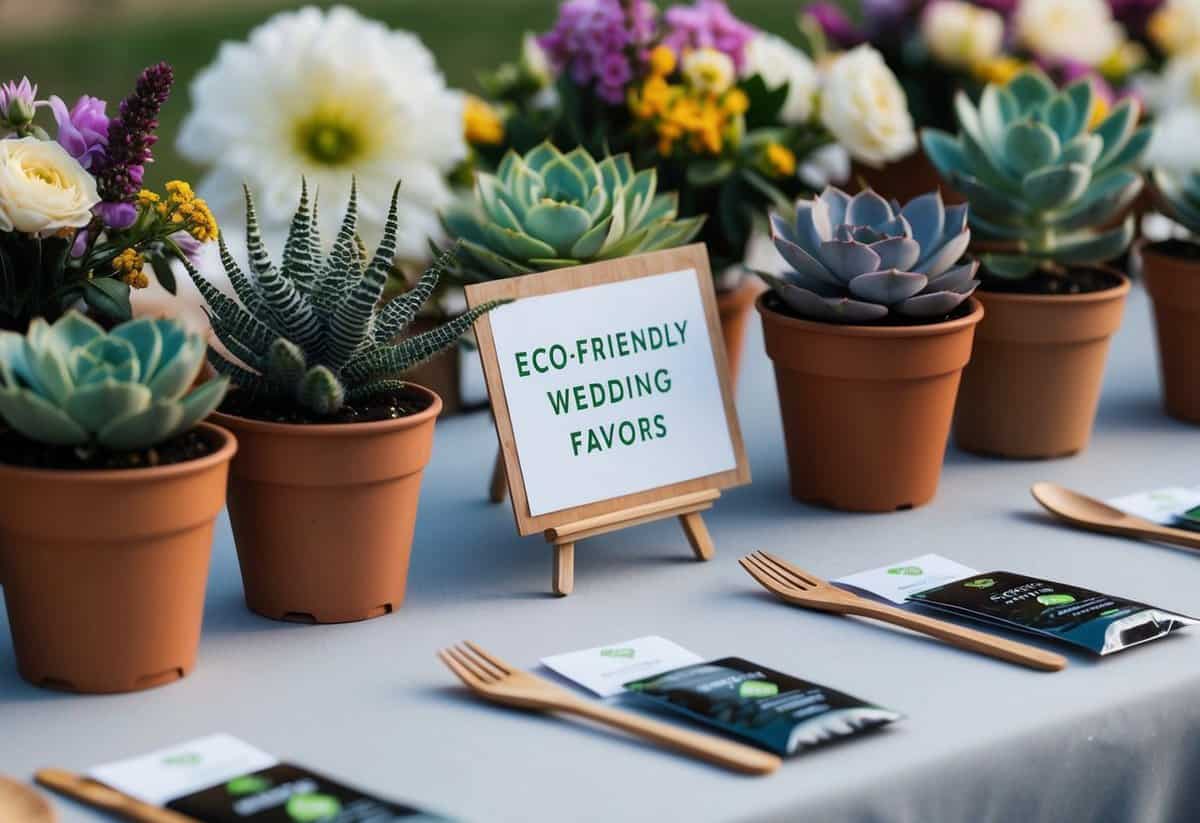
x=1098, y=622
x=766, y=708
x=289, y=794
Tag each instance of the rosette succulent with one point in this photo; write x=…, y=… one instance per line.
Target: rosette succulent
x=312, y=333
x=861, y=259
x=1180, y=195
x=72, y=384
x=546, y=210
x=1043, y=185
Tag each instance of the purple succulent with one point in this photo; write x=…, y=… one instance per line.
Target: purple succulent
x=83, y=130
x=601, y=42
x=18, y=99
x=708, y=24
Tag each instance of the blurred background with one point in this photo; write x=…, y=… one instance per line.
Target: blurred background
x=70, y=47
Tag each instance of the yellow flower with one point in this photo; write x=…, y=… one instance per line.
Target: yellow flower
x=708, y=70
x=662, y=61
x=1124, y=61
x=1099, y=111
x=482, y=125
x=781, y=160
x=147, y=198
x=998, y=70
x=1175, y=27
x=736, y=102
x=128, y=264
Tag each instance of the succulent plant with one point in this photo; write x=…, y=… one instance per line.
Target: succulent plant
x=1180, y=197
x=1040, y=181
x=546, y=210
x=860, y=259
x=313, y=333
x=72, y=384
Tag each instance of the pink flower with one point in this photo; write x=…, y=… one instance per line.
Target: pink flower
x=17, y=103
x=708, y=25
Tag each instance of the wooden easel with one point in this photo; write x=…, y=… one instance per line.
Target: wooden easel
x=687, y=507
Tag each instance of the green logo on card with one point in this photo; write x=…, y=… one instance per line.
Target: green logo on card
x=910, y=571
x=980, y=583
x=247, y=784
x=623, y=651
x=307, y=808
x=1055, y=599
x=182, y=759
x=757, y=688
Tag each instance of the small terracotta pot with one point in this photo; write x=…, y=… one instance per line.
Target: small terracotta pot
x=906, y=178
x=1173, y=282
x=323, y=515
x=105, y=570
x=1034, y=381
x=866, y=409
x=734, y=308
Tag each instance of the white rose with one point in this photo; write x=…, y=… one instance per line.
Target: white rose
x=708, y=70
x=1174, y=98
x=777, y=61
x=960, y=34
x=42, y=188
x=865, y=109
x=1080, y=30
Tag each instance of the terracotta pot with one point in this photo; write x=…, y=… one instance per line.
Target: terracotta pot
x=866, y=409
x=1173, y=282
x=734, y=308
x=906, y=178
x=105, y=571
x=323, y=515
x=441, y=373
x=1033, y=385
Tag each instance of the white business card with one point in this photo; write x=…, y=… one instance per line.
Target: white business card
x=896, y=581
x=605, y=669
x=1158, y=505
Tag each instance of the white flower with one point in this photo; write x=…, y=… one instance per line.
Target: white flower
x=535, y=60
x=1174, y=98
x=1080, y=30
x=708, y=70
x=777, y=61
x=961, y=34
x=828, y=164
x=1175, y=27
x=327, y=95
x=864, y=108
x=42, y=188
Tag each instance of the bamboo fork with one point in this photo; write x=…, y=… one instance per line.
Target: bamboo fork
x=493, y=679
x=107, y=799
x=805, y=589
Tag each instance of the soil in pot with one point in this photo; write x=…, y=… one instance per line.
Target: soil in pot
x=1033, y=384
x=1171, y=269
x=104, y=569
x=866, y=409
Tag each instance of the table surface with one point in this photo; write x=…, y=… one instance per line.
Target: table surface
x=1111, y=739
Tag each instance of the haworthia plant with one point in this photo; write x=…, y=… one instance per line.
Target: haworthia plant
x=73, y=384
x=1038, y=177
x=311, y=331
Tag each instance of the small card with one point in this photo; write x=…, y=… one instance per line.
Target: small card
x=605, y=669
x=1162, y=506
x=898, y=581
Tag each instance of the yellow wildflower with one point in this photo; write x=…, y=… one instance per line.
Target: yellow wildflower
x=482, y=124
x=1099, y=111
x=998, y=69
x=736, y=102
x=147, y=198
x=662, y=61
x=780, y=160
x=128, y=264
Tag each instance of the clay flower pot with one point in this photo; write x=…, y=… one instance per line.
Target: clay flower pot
x=1034, y=381
x=323, y=514
x=734, y=309
x=104, y=571
x=866, y=409
x=1172, y=272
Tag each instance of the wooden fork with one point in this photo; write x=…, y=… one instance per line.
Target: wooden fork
x=803, y=588
x=493, y=679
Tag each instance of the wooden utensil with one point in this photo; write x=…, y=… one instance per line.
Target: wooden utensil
x=107, y=799
x=21, y=804
x=803, y=588
x=493, y=679
x=1089, y=513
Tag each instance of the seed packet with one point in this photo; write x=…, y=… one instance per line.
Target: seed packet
x=1098, y=622
x=766, y=708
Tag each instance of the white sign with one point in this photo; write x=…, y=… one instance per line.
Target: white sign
x=1160, y=505
x=897, y=581
x=605, y=669
x=611, y=390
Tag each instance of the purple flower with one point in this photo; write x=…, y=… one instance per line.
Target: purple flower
x=600, y=42
x=82, y=131
x=17, y=102
x=119, y=215
x=836, y=25
x=191, y=247
x=1134, y=14
x=707, y=25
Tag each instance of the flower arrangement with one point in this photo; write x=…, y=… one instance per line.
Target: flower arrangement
x=734, y=119
x=75, y=221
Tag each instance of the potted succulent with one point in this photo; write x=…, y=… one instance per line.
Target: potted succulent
x=1047, y=192
x=323, y=496
x=112, y=485
x=1172, y=270
x=869, y=333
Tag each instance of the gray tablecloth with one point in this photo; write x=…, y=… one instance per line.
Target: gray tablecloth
x=1117, y=739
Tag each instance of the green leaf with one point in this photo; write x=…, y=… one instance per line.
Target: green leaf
x=173, y=377
x=944, y=151
x=560, y=225
x=39, y=419
x=1010, y=267
x=109, y=297
x=321, y=391
x=148, y=427
x=200, y=402
x=1030, y=146
x=96, y=405
x=1089, y=247
x=709, y=172
x=1116, y=129
x=1031, y=88
x=1055, y=186
x=163, y=272
x=144, y=336
x=1106, y=197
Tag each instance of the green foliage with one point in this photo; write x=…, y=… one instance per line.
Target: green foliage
x=71, y=384
x=311, y=332
x=1037, y=178
x=1180, y=195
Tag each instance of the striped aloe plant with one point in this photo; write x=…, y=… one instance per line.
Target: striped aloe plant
x=313, y=333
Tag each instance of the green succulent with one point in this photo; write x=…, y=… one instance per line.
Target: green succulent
x=1180, y=196
x=313, y=333
x=546, y=210
x=72, y=384
x=1037, y=178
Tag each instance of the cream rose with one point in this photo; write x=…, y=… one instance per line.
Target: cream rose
x=961, y=34
x=42, y=188
x=708, y=70
x=1079, y=30
x=777, y=61
x=865, y=109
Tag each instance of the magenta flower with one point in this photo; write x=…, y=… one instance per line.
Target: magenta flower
x=82, y=131
x=836, y=24
x=17, y=102
x=709, y=24
x=600, y=42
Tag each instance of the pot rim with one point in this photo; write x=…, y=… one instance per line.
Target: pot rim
x=851, y=330
x=1145, y=245
x=1103, y=296
x=335, y=429
x=223, y=454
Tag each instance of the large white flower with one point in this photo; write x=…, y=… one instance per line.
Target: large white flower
x=327, y=95
x=1174, y=99
x=865, y=109
x=1175, y=27
x=42, y=188
x=961, y=34
x=777, y=61
x=1079, y=30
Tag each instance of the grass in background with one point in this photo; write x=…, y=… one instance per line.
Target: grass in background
x=104, y=59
